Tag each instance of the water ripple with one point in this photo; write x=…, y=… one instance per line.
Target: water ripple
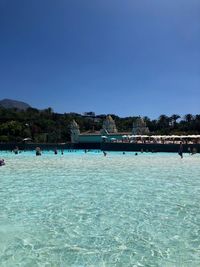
x=88, y=210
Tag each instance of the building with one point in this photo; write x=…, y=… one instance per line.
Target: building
x=107, y=133
x=75, y=132
x=89, y=114
x=109, y=126
x=139, y=127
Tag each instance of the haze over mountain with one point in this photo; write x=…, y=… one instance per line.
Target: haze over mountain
x=9, y=103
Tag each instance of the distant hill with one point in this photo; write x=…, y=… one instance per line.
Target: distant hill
x=9, y=103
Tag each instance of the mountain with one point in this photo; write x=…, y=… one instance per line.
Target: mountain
x=9, y=103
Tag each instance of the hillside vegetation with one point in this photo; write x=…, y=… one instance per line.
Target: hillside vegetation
x=47, y=126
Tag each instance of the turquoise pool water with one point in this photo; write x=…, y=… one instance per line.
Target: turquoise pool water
x=83, y=210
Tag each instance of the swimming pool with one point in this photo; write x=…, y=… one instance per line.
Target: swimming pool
x=82, y=209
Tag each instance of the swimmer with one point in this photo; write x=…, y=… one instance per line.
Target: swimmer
x=104, y=153
x=2, y=162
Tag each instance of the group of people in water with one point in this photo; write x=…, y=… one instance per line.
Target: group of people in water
x=38, y=152
x=191, y=151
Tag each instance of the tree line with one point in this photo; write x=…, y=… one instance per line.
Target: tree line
x=46, y=126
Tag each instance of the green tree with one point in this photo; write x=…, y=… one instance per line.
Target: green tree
x=174, y=119
x=188, y=118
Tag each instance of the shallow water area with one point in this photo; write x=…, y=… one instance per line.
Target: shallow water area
x=84, y=209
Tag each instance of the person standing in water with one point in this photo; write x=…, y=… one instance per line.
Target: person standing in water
x=180, y=152
x=16, y=150
x=38, y=151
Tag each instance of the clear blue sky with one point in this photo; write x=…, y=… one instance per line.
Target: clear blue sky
x=130, y=57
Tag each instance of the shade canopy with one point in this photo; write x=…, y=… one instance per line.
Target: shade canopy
x=174, y=136
x=27, y=139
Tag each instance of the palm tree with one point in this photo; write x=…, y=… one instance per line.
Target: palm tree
x=174, y=118
x=163, y=121
x=163, y=124
x=188, y=117
x=197, y=117
x=146, y=119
